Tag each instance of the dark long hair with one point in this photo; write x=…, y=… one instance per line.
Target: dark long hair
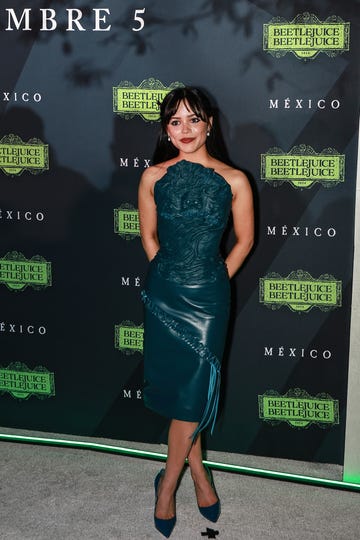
x=199, y=103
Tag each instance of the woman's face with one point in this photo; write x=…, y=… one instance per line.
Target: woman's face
x=186, y=130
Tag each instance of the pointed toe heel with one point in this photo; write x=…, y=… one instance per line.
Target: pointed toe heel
x=164, y=526
x=212, y=512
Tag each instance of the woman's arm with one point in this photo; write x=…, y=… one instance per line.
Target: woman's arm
x=243, y=219
x=147, y=213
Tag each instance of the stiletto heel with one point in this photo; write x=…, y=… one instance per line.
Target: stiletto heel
x=164, y=526
x=211, y=512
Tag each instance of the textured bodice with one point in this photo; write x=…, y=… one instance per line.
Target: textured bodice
x=193, y=204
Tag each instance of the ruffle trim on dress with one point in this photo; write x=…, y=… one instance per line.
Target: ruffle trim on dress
x=210, y=412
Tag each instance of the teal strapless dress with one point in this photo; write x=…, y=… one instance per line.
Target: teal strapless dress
x=187, y=296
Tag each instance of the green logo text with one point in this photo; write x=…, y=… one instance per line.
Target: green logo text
x=306, y=36
x=21, y=382
x=144, y=100
x=17, y=272
x=302, y=167
x=17, y=156
x=298, y=408
x=300, y=291
x=129, y=338
x=126, y=222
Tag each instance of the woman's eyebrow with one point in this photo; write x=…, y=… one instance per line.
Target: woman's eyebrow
x=188, y=116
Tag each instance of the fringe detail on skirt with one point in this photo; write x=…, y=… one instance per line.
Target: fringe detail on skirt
x=210, y=412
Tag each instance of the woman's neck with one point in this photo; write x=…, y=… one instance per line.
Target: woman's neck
x=200, y=156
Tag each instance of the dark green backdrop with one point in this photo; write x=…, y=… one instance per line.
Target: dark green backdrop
x=96, y=156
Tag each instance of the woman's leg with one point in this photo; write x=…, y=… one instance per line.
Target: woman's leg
x=204, y=492
x=180, y=447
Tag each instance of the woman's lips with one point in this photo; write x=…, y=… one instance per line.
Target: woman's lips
x=187, y=140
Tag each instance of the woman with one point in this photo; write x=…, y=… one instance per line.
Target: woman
x=184, y=203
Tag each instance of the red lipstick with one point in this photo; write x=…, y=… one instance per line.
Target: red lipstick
x=187, y=140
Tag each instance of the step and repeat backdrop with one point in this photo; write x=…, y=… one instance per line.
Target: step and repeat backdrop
x=79, y=92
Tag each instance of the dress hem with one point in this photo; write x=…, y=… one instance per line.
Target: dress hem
x=211, y=408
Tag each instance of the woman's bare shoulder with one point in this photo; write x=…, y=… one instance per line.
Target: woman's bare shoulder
x=155, y=172
x=235, y=177
x=151, y=173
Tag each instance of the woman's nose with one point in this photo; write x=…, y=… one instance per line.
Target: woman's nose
x=185, y=127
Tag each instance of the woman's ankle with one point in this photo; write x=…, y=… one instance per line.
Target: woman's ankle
x=198, y=473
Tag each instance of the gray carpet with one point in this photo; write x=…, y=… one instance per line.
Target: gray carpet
x=48, y=492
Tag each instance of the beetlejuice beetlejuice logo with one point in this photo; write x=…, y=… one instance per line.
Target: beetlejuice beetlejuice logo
x=17, y=272
x=21, y=382
x=17, y=156
x=302, y=167
x=306, y=36
x=126, y=222
x=143, y=100
x=298, y=408
x=300, y=292
x=129, y=338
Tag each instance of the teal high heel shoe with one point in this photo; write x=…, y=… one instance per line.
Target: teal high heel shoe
x=164, y=526
x=211, y=512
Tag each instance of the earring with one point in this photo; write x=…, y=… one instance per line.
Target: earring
x=208, y=133
x=169, y=138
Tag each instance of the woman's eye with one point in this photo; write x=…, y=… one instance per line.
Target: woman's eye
x=195, y=120
x=174, y=122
